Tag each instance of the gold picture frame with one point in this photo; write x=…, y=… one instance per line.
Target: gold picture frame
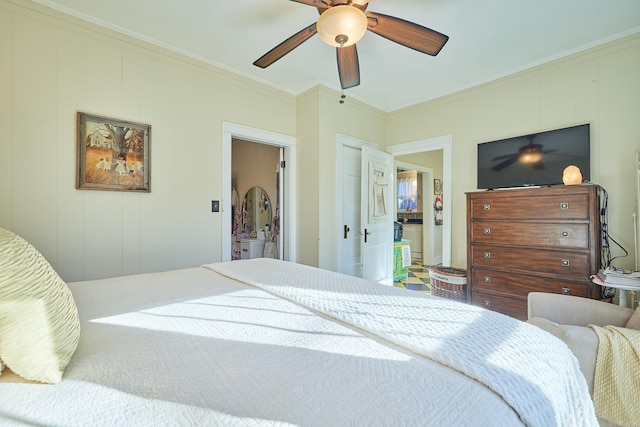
x=112, y=154
x=437, y=187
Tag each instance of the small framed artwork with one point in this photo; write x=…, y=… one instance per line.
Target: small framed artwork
x=113, y=155
x=437, y=187
x=378, y=183
x=438, y=217
x=437, y=205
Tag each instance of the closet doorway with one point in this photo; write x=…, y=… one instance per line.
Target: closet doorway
x=258, y=192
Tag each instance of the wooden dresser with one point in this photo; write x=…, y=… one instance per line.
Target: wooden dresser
x=532, y=239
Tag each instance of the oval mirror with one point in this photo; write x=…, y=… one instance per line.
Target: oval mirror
x=256, y=210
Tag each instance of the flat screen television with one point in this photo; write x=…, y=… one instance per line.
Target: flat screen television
x=533, y=160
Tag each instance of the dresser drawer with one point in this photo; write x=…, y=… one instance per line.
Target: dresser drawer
x=543, y=239
x=575, y=264
x=488, y=280
x=511, y=306
x=558, y=207
x=550, y=235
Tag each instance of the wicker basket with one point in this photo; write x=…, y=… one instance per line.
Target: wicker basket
x=448, y=282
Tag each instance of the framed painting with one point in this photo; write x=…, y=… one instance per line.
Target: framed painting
x=113, y=155
x=437, y=187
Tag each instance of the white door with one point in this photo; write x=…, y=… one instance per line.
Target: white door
x=349, y=259
x=377, y=215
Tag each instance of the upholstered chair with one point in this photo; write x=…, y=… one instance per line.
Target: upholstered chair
x=568, y=317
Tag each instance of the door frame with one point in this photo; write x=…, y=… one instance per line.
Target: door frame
x=444, y=143
x=288, y=211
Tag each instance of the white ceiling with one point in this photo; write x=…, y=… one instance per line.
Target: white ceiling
x=488, y=39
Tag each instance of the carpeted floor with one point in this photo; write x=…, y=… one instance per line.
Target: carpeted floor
x=418, y=279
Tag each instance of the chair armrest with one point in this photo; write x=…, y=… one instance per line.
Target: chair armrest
x=571, y=310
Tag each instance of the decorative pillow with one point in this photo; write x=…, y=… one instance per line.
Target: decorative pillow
x=634, y=320
x=39, y=325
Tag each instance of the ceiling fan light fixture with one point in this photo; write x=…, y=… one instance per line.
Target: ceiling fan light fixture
x=530, y=158
x=530, y=154
x=342, y=25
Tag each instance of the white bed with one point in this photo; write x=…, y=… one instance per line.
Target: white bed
x=268, y=342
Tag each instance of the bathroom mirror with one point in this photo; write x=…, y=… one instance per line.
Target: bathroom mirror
x=256, y=210
x=235, y=218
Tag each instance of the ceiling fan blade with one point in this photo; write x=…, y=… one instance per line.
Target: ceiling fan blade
x=504, y=164
x=407, y=33
x=505, y=156
x=315, y=3
x=286, y=46
x=348, y=66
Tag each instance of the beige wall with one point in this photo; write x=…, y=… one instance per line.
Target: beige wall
x=600, y=86
x=429, y=159
x=308, y=152
x=52, y=66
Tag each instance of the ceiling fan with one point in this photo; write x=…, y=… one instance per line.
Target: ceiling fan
x=342, y=23
x=530, y=154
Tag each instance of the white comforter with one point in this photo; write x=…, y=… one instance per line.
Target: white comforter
x=525, y=365
x=194, y=348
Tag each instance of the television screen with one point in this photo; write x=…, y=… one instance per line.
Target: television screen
x=533, y=160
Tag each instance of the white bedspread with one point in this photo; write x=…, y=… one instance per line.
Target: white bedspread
x=194, y=348
x=534, y=372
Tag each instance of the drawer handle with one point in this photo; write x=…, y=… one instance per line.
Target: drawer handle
x=565, y=234
x=487, y=303
x=564, y=205
x=566, y=291
x=487, y=279
x=565, y=263
x=487, y=207
x=487, y=231
x=487, y=255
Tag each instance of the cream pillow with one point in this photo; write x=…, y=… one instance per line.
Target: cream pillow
x=39, y=325
x=634, y=320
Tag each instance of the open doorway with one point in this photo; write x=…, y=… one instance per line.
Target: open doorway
x=412, y=150
x=256, y=193
x=415, y=209
x=348, y=194
x=287, y=213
